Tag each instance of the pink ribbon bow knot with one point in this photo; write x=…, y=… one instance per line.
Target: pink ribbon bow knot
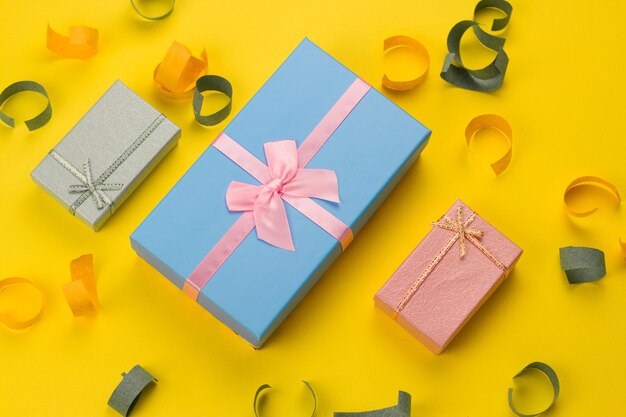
x=285, y=179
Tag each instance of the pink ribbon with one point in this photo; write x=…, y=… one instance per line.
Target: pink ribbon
x=283, y=179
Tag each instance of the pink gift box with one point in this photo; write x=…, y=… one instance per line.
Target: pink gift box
x=448, y=276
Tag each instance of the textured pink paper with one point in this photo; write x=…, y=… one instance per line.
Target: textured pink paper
x=454, y=290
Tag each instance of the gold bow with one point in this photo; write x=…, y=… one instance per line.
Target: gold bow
x=460, y=227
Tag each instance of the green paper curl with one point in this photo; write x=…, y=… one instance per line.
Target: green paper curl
x=402, y=409
x=582, y=264
x=490, y=77
x=554, y=380
x=159, y=17
x=18, y=87
x=485, y=79
x=212, y=83
x=267, y=386
x=126, y=394
x=504, y=6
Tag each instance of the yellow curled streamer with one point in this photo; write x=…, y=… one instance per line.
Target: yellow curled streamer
x=81, y=293
x=493, y=121
x=82, y=42
x=177, y=73
x=422, y=52
x=11, y=322
x=594, y=182
x=622, y=245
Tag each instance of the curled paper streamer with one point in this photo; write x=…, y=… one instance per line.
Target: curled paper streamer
x=402, y=409
x=177, y=73
x=264, y=387
x=493, y=121
x=212, y=83
x=554, y=380
x=420, y=50
x=504, y=6
x=622, y=245
x=128, y=391
x=158, y=17
x=82, y=42
x=490, y=77
x=20, y=324
x=485, y=79
x=582, y=264
x=18, y=87
x=81, y=293
x=594, y=182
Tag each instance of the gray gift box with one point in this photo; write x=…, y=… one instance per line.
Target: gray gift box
x=106, y=155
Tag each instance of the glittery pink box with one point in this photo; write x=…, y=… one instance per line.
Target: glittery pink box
x=435, y=292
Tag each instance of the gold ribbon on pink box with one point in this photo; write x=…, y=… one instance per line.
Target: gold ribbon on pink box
x=284, y=179
x=462, y=232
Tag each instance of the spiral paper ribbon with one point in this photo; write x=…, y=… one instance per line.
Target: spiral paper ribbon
x=490, y=77
x=81, y=294
x=161, y=16
x=212, y=83
x=493, y=121
x=554, y=380
x=127, y=393
x=82, y=42
x=402, y=409
x=265, y=387
x=422, y=54
x=20, y=324
x=18, y=87
x=177, y=73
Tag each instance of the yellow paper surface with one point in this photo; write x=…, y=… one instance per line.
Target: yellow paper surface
x=566, y=123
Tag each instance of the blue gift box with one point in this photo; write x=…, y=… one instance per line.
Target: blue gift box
x=260, y=284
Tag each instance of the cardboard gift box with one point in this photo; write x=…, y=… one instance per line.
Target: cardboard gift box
x=106, y=155
x=448, y=276
x=304, y=164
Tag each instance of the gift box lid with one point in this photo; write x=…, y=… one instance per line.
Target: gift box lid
x=259, y=284
x=106, y=155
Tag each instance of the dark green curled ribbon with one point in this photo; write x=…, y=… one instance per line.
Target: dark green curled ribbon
x=126, y=394
x=554, y=380
x=504, y=6
x=490, y=77
x=159, y=17
x=18, y=87
x=582, y=264
x=267, y=386
x=212, y=83
x=402, y=409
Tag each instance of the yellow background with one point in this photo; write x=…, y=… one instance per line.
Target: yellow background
x=564, y=95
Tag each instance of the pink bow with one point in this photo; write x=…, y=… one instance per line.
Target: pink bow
x=265, y=201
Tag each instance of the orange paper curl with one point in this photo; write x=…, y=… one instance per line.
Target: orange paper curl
x=592, y=182
x=81, y=293
x=82, y=42
x=20, y=324
x=493, y=121
x=177, y=73
x=420, y=50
